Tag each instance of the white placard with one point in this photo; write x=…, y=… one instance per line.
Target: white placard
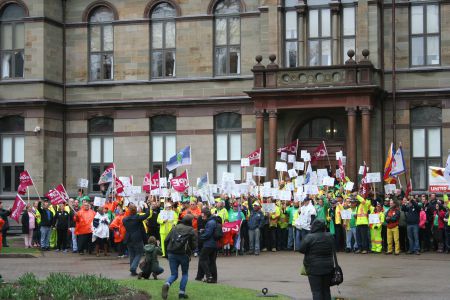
x=266, y=191
x=321, y=174
x=361, y=170
x=139, y=197
x=275, y=183
x=275, y=193
x=283, y=156
x=389, y=188
x=299, y=189
x=163, y=182
x=299, y=197
x=344, y=160
x=299, y=181
x=281, y=166
x=249, y=177
x=83, y=183
x=303, y=153
x=289, y=186
x=373, y=177
x=267, y=184
x=167, y=215
x=175, y=196
x=299, y=165
x=259, y=171
x=227, y=177
x=154, y=192
x=328, y=181
x=99, y=201
x=131, y=190
x=126, y=181
x=346, y=214
x=349, y=186
x=291, y=158
x=245, y=162
x=164, y=193
x=307, y=157
x=374, y=218
x=292, y=173
x=339, y=155
x=268, y=207
x=338, y=173
x=285, y=195
x=213, y=188
x=311, y=189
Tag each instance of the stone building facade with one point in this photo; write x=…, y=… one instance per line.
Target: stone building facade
x=88, y=82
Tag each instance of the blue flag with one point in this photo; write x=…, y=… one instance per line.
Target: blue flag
x=182, y=158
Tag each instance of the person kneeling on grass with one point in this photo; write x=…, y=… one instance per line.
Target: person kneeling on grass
x=180, y=243
x=150, y=265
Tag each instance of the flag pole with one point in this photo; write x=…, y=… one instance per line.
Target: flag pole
x=325, y=146
x=28, y=193
x=34, y=186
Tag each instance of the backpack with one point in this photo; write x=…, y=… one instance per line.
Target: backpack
x=179, y=243
x=218, y=233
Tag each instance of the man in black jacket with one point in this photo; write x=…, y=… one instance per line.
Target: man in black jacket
x=4, y=215
x=412, y=213
x=180, y=243
x=62, y=221
x=46, y=224
x=208, y=254
x=134, y=237
x=318, y=260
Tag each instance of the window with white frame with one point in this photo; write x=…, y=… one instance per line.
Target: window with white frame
x=348, y=31
x=319, y=37
x=425, y=34
x=12, y=152
x=426, y=127
x=101, y=148
x=227, y=37
x=163, y=40
x=101, y=44
x=291, y=34
x=12, y=41
x=164, y=142
x=228, y=132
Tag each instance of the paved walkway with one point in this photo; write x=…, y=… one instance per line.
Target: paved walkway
x=366, y=276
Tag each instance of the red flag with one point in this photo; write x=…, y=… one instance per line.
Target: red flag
x=17, y=208
x=154, y=184
x=60, y=188
x=118, y=185
x=387, y=177
x=25, y=181
x=290, y=148
x=408, y=188
x=255, y=157
x=321, y=151
x=180, y=183
x=147, y=183
x=364, y=186
x=341, y=170
x=107, y=175
x=57, y=195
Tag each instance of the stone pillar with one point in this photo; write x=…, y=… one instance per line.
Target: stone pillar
x=351, y=143
x=272, y=143
x=301, y=34
x=335, y=6
x=365, y=115
x=260, y=132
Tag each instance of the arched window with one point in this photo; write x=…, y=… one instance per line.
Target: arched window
x=101, y=44
x=164, y=142
x=12, y=154
x=228, y=132
x=163, y=35
x=426, y=127
x=101, y=143
x=227, y=33
x=12, y=40
x=321, y=129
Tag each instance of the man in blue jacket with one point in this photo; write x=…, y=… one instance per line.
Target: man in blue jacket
x=207, y=257
x=255, y=224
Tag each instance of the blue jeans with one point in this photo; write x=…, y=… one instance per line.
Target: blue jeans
x=413, y=237
x=254, y=240
x=352, y=233
x=298, y=238
x=45, y=236
x=176, y=260
x=135, y=253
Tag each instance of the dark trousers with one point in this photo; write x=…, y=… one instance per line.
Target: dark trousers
x=403, y=236
x=384, y=237
x=61, y=240
x=4, y=231
x=362, y=237
x=339, y=237
x=427, y=237
x=320, y=287
x=244, y=236
x=271, y=241
x=207, y=261
x=135, y=251
x=84, y=242
x=282, y=237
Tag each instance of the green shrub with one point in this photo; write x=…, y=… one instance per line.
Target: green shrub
x=7, y=292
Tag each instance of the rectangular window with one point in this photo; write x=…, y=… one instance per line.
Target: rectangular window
x=227, y=52
x=163, y=148
x=228, y=153
x=101, y=156
x=426, y=151
x=101, y=47
x=319, y=37
x=425, y=35
x=12, y=41
x=291, y=39
x=12, y=158
x=163, y=48
x=348, y=31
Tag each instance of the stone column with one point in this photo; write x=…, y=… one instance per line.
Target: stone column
x=335, y=7
x=259, y=114
x=351, y=143
x=272, y=143
x=365, y=115
x=301, y=34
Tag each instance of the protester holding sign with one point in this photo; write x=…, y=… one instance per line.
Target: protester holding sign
x=166, y=220
x=47, y=215
x=375, y=228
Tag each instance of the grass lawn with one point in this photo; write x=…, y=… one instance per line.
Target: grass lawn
x=195, y=290
x=19, y=250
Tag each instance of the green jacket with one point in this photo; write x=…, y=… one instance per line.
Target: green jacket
x=151, y=258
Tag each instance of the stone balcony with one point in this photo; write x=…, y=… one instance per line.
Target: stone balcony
x=350, y=74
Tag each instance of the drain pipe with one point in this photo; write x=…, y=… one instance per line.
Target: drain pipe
x=64, y=139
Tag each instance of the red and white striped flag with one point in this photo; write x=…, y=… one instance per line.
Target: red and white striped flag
x=17, y=208
x=255, y=157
